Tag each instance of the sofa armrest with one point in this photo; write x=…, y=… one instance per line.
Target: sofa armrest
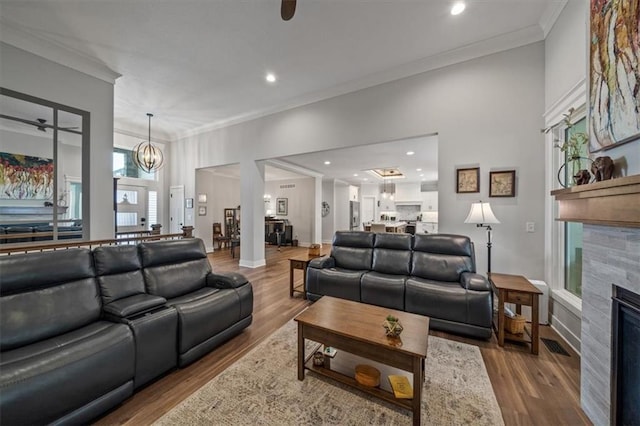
x=132, y=305
x=322, y=262
x=226, y=280
x=473, y=281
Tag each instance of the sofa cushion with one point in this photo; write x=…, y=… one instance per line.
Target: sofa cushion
x=383, y=290
x=442, y=257
x=44, y=381
x=174, y=268
x=119, y=272
x=336, y=282
x=46, y=294
x=353, y=249
x=437, y=299
x=203, y=314
x=392, y=254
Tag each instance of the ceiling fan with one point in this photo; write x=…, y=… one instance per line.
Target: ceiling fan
x=39, y=123
x=287, y=9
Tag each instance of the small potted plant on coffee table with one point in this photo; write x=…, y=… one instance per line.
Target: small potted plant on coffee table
x=392, y=326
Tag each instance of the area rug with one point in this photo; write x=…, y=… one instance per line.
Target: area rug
x=262, y=389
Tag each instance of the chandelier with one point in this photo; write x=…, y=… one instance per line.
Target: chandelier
x=147, y=156
x=391, y=188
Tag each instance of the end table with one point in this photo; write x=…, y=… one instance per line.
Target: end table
x=518, y=290
x=300, y=262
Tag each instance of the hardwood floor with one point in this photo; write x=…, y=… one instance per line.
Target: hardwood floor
x=531, y=390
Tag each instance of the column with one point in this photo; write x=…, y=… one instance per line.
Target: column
x=252, y=213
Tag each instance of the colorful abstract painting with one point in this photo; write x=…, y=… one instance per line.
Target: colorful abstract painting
x=615, y=73
x=25, y=178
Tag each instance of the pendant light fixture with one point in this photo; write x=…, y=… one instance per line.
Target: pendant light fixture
x=147, y=156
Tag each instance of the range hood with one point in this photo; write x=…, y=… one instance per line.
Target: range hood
x=408, y=203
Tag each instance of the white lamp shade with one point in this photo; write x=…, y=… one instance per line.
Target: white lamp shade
x=481, y=213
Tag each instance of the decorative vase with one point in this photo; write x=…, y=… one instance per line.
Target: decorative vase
x=572, y=173
x=392, y=328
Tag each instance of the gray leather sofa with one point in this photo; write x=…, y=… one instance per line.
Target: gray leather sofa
x=427, y=274
x=81, y=330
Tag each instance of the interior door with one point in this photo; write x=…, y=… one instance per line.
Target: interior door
x=368, y=208
x=132, y=208
x=176, y=209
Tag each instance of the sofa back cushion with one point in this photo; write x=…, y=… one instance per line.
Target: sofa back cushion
x=175, y=267
x=392, y=253
x=46, y=294
x=353, y=249
x=442, y=257
x=119, y=272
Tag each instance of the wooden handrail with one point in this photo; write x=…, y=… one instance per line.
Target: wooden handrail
x=56, y=245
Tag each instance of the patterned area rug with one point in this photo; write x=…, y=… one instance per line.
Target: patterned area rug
x=262, y=389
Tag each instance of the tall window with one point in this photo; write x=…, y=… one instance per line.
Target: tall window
x=573, y=230
x=123, y=165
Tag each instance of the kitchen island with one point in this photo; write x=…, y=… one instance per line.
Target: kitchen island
x=389, y=226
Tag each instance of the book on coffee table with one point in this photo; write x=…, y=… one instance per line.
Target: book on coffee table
x=401, y=387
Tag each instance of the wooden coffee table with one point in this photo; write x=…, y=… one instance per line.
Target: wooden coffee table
x=357, y=328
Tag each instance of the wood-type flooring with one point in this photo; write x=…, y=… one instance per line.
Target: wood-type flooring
x=531, y=390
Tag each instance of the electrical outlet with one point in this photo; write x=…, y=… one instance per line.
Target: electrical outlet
x=531, y=227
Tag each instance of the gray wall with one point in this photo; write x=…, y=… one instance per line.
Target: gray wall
x=27, y=73
x=486, y=111
x=222, y=193
x=300, y=205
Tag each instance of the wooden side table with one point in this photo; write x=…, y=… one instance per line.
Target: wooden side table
x=300, y=262
x=516, y=289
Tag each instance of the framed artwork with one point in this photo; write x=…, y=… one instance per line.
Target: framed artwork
x=202, y=211
x=613, y=98
x=468, y=180
x=282, y=206
x=188, y=203
x=23, y=177
x=502, y=184
x=202, y=198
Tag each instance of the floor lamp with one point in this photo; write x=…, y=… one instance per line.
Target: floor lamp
x=482, y=216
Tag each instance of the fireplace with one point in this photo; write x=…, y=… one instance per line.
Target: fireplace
x=625, y=357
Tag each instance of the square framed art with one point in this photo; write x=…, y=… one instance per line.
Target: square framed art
x=502, y=183
x=468, y=180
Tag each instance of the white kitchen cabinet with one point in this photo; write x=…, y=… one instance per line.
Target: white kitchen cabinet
x=429, y=201
x=407, y=192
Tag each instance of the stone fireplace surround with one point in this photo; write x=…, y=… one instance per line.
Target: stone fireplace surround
x=610, y=211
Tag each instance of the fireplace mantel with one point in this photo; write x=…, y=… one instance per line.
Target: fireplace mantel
x=614, y=202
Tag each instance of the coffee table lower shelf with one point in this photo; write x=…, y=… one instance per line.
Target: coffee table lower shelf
x=350, y=381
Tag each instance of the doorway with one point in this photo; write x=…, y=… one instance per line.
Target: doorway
x=176, y=209
x=132, y=208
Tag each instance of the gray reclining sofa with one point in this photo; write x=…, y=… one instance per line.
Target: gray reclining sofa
x=80, y=330
x=427, y=274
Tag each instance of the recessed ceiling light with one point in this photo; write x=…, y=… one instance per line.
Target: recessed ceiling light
x=355, y=174
x=410, y=152
x=327, y=163
x=458, y=8
x=421, y=174
x=365, y=179
x=418, y=170
x=270, y=77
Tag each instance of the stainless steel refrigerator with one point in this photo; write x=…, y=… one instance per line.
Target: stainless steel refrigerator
x=354, y=214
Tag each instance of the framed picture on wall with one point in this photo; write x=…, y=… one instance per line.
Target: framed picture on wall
x=468, y=180
x=282, y=206
x=202, y=211
x=502, y=184
x=202, y=198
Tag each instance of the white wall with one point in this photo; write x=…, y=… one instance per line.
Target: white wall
x=328, y=221
x=300, y=201
x=341, y=218
x=222, y=192
x=486, y=111
x=27, y=73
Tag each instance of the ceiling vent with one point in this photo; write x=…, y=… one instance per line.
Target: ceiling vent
x=288, y=186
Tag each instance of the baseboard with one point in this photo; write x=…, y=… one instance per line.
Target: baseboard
x=252, y=264
x=563, y=332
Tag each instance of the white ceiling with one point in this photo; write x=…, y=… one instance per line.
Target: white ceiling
x=197, y=64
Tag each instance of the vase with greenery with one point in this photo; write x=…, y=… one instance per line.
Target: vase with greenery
x=392, y=326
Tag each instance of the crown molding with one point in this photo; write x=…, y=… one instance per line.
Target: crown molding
x=550, y=16
x=284, y=165
x=140, y=135
x=17, y=36
x=525, y=36
x=576, y=97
